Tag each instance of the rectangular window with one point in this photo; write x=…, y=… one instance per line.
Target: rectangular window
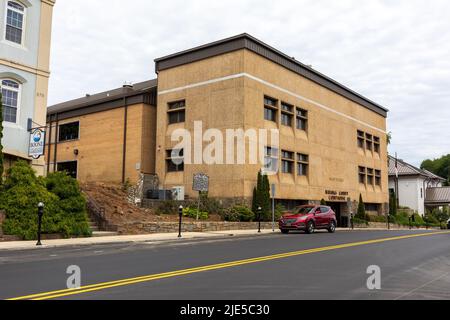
x=378, y=177
x=10, y=100
x=175, y=160
x=362, y=175
x=69, y=131
x=70, y=168
x=302, y=164
x=370, y=176
x=287, y=162
x=302, y=119
x=286, y=114
x=270, y=109
x=14, y=22
x=177, y=112
x=271, y=159
x=360, y=139
x=369, y=142
x=376, y=144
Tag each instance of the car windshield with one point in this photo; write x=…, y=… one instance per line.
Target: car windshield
x=304, y=210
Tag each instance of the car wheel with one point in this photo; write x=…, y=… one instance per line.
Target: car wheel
x=332, y=227
x=284, y=231
x=310, y=227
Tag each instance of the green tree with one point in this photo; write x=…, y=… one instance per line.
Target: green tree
x=361, y=214
x=323, y=202
x=1, y=136
x=392, y=203
x=261, y=197
x=440, y=167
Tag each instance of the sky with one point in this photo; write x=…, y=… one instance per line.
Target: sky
x=394, y=52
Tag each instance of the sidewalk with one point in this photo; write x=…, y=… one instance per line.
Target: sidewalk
x=150, y=238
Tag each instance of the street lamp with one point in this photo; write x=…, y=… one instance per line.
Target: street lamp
x=259, y=219
x=40, y=214
x=180, y=213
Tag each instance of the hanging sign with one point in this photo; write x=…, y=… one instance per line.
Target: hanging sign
x=37, y=144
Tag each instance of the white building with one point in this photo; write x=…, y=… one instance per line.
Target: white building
x=25, y=33
x=413, y=184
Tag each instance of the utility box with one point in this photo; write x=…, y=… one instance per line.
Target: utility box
x=178, y=193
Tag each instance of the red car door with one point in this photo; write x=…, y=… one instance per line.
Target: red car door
x=325, y=216
x=319, y=217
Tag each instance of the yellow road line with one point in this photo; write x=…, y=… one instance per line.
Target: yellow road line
x=148, y=278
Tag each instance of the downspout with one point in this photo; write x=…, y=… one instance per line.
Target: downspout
x=124, y=155
x=49, y=145
x=56, y=143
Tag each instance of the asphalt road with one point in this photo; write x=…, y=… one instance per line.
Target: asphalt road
x=336, y=268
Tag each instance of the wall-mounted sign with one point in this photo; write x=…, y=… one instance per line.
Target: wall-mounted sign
x=337, y=196
x=36, y=148
x=201, y=182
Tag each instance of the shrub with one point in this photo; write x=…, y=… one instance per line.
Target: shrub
x=360, y=221
x=167, y=207
x=193, y=212
x=64, y=211
x=361, y=214
x=377, y=218
x=210, y=205
x=239, y=213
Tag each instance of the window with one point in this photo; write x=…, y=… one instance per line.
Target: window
x=14, y=22
x=270, y=109
x=177, y=112
x=376, y=144
x=286, y=114
x=362, y=175
x=175, y=160
x=69, y=131
x=69, y=167
x=302, y=119
x=360, y=139
x=378, y=177
x=271, y=159
x=302, y=164
x=369, y=141
x=10, y=100
x=370, y=176
x=324, y=209
x=287, y=162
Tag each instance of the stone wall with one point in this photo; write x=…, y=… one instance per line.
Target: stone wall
x=168, y=227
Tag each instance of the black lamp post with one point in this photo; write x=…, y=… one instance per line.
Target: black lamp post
x=40, y=214
x=180, y=213
x=259, y=219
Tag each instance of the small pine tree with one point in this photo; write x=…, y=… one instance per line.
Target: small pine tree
x=361, y=209
x=393, y=204
x=261, y=197
x=323, y=202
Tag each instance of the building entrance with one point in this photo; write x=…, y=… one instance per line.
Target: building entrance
x=342, y=220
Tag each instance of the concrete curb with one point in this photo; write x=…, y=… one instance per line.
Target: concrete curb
x=157, y=238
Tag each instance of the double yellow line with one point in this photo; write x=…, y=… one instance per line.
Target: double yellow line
x=148, y=278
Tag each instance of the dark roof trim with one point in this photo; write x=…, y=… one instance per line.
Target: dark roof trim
x=142, y=88
x=245, y=41
x=147, y=98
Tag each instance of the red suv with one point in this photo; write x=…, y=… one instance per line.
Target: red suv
x=309, y=218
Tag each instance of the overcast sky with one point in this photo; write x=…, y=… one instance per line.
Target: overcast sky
x=395, y=52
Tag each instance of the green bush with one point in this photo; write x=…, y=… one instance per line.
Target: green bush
x=65, y=207
x=210, y=205
x=360, y=221
x=167, y=207
x=193, y=212
x=239, y=213
x=377, y=219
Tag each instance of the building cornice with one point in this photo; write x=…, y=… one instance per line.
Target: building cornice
x=23, y=67
x=49, y=2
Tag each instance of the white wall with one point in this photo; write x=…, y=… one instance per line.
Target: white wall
x=411, y=193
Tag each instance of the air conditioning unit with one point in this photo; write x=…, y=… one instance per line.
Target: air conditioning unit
x=178, y=193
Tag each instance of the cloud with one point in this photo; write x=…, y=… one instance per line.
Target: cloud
x=394, y=52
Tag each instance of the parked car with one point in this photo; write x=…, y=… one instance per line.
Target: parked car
x=308, y=219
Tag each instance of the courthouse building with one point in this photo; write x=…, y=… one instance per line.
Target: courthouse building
x=25, y=33
x=332, y=139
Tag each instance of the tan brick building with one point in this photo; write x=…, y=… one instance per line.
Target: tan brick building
x=332, y=140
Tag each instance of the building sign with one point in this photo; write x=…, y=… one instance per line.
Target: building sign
x=37, y=144
x=201, y=182
x=337, y=196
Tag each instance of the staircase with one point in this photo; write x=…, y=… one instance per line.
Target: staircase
x=98, y=223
